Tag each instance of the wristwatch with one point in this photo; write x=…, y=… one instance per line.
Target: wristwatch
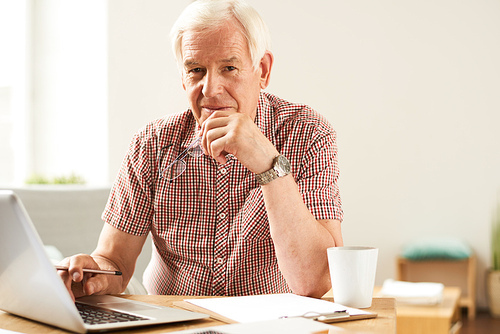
x=281, y=167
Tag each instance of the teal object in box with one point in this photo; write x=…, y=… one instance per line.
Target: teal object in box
x=437, y=248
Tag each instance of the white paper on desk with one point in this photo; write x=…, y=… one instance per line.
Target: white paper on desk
x=288, y=326
x=269, y=307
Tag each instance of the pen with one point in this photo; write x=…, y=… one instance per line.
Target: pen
x=94, y=271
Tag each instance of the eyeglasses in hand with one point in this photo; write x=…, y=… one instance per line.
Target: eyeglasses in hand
x=176, y=168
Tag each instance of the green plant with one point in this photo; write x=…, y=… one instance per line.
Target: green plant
x=40, y=179
x=495, y=239
x=37, y=179
x=71, y=179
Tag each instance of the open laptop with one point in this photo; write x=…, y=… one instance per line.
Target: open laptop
x=31, y=288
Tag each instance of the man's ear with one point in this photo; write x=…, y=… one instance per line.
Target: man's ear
x=266, y=64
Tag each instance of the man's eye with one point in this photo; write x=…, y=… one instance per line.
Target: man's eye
x=230, y=68
x=196, y=70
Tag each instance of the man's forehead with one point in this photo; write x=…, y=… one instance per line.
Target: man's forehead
x=230, y=51
x=208, y=43
x=189, y=61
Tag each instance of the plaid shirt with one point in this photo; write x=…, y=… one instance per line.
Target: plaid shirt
x=209, y=226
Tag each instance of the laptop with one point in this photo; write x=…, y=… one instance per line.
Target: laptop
x=31, y=288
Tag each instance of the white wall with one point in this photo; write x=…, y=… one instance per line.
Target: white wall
x=412, y=88
x=144, y=81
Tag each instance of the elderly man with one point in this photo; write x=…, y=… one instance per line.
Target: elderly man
x=239, y=192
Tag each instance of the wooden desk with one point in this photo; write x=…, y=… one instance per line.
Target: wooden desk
x=442, y=318
x=385, y=323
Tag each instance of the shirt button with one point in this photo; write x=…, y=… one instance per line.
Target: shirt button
x=222, y=215
x=219, y=260
x=223, y=171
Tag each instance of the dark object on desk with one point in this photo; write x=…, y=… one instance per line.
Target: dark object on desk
x=94, y=271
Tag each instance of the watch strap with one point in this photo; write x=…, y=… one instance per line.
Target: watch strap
x=267, y=176
x=281, y=167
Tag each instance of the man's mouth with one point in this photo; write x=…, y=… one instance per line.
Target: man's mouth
x=211, y=109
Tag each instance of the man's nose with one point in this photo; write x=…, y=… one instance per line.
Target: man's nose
x=212, y=85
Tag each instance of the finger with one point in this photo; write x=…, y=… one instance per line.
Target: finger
x=219, y=150
x=207, y=131
x=74, y=277
x=214, y=139
x=77, y=263
x=67, y=278
x=68, y=281
x=216, y=119
x=95, y=284
x=77, y=289
x=220, y=133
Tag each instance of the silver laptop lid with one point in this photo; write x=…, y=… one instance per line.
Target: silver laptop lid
x=29, y=285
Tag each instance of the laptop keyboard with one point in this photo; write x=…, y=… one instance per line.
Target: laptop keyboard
x=94, y=315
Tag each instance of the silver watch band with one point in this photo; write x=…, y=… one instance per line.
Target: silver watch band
x=267, y=176
x=281, y=167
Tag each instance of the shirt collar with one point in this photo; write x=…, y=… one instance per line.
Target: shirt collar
x=265, y=118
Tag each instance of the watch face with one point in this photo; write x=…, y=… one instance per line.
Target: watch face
x=282, y=165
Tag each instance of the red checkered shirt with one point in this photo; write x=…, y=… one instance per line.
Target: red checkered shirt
x=209, y=226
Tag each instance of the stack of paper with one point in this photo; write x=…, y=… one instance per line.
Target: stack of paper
x=421, y=293
x=246, y=309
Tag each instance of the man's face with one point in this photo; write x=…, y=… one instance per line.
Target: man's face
x=217, y=72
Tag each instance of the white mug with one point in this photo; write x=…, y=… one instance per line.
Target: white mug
x=352, y=271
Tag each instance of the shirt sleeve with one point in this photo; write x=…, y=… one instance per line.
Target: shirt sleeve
x=318, y=175
x=130, y=207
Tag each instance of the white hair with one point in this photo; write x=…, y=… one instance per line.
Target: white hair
x=206, y=14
